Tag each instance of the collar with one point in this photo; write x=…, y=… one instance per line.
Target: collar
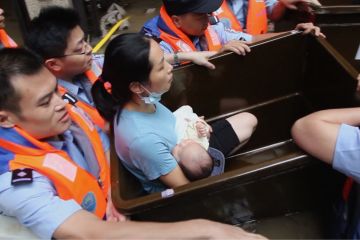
x=60, y=144
x=72, y=87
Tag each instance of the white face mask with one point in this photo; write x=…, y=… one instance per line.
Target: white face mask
x=152, y=98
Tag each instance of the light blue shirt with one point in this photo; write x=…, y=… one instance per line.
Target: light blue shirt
x=240, y=9
x=81, y=86
x=36, y=205
x=225, y=35
x=143, y=142
x=347, y=152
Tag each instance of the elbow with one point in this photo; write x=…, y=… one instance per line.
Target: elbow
x=305, y=130
x=298, y=130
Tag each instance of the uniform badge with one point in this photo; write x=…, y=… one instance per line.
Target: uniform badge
x=69, y=98
x=21, y=176
x=89, y=202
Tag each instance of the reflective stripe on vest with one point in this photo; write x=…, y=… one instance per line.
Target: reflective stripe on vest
x=90, y=110
x=182, y=42
x=256, y=20
x=70, y=180
x=6, y=40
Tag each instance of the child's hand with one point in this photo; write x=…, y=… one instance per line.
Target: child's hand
x=203, y=129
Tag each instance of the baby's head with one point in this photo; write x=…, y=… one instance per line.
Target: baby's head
x=194, y=160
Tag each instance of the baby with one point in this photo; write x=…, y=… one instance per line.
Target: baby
x=195, y=157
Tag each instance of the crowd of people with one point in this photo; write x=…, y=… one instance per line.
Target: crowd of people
x=57, y=100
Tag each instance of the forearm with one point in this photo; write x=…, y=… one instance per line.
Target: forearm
x=192, y=229
x=196, y=229
x=175, y=178
x=169, y=57
x=176, y=58
x=84, y=225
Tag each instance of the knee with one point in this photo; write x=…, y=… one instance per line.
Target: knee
x=243, y=121
x=253, y=121
x=248, y=119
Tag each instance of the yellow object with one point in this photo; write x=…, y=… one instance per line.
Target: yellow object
x=108, y=35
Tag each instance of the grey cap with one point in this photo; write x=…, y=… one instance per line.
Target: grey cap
x=179, y=7
x=219, y=161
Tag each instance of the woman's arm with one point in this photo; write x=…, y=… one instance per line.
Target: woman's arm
x=175, y=178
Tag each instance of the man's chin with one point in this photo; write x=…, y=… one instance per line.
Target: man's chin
x=63, y=127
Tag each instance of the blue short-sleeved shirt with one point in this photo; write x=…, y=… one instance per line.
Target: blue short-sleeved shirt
x=347, y=152
x=36, y=205
x=225, y=35
x=240, y=9
x=143, y=142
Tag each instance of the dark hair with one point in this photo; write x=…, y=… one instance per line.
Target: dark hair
x=126, y=61
x=14, y=62
x=205, y=172
x=197, y=166
x=49, y=31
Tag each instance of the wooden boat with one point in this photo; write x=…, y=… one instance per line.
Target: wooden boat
x=343, y=14
x=322, y=16
x=337, y=2
x=281, y=80
x=344, y=38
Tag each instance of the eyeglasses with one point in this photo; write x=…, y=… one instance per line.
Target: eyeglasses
x=85, y=48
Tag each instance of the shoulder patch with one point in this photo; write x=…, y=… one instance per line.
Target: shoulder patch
x=21, y=176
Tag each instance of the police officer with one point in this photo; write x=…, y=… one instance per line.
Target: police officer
x=333, y=136
x=54, y=181
x=184, y=26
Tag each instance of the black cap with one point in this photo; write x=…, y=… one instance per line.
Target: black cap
x=179, y=7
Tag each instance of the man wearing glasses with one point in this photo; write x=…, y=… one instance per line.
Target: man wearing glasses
x=57, y=37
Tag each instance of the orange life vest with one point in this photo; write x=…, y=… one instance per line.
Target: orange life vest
x=256, y=20
x=93, y=73
x=6, y=40
x=90, y=110
x=182, y=42
x=70, y=180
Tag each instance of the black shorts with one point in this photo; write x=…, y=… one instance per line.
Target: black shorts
x=223, y=137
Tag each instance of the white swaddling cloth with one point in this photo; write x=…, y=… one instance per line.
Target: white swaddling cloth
x=185, y=126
